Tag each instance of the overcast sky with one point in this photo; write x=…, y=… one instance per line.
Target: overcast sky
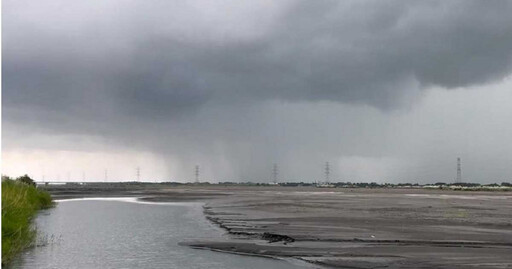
x=386, y=91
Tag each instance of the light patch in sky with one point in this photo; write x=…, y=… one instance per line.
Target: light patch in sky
x=57, y=165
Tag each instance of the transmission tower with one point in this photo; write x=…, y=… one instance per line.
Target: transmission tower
x=83, y=176
x=458, y=179
x=138, y=173
x=275, y=173
x=106, y=175
x=327, y=172
x=197, y=173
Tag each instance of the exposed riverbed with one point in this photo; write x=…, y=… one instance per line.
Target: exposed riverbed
x=336, y=227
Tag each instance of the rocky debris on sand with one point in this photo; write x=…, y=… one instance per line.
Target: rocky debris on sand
x=272, y=238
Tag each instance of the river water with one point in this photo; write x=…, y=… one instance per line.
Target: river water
x=124, y=233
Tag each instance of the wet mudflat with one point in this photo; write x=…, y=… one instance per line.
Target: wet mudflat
x=357, y=228
x=363, y=228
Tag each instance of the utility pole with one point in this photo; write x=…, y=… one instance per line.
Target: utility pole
x=275, y=173
x=197, y=173
x=458, y=179
x=327, y=172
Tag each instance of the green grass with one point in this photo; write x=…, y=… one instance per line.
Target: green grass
x=20, y=202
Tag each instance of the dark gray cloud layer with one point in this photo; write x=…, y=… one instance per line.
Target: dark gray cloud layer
x=362, y=51
x=128, y=70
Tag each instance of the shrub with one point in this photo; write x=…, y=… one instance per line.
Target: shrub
x=20, y=202
x=26, y=179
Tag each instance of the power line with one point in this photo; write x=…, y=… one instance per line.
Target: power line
x=327, y=172
x=458, y=179
x=275, y=173
x=197, y=173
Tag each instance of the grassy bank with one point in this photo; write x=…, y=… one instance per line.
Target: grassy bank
x=20, y=202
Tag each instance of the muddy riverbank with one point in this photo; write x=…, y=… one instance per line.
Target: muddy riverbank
x=361, y=228
x=355, y=228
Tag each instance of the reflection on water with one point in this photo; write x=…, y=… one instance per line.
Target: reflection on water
x=124, y=234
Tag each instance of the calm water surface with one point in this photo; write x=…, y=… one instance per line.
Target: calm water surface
x=127, y=234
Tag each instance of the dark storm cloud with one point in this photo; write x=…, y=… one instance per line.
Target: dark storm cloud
x=130, y=69
x=361, y=51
